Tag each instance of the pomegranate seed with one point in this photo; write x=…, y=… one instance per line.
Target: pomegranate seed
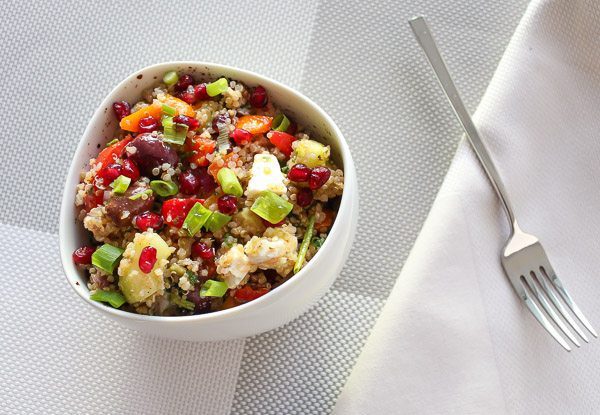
x=122, y=109
x=192, y=123
x=184, y=82
x=91, y=200
x=207, y=182
x=299, y=173
x=219, y=119
x=202, y=250
x=304, y=197
x=318, y=177
x=83, y=255
x=227, y=204
x=108, y=174
x=147, y=125
x=272, y=225
x=130, y=170
x=147, y=259
x=241, y=136
x=189, y=182
x=258, y=98
x=148, y=220
x=188, y=96
x=200, y=92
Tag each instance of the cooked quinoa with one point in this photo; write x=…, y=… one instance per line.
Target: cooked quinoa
x=207, y=198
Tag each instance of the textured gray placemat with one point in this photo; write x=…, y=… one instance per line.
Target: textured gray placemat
x=356, y=59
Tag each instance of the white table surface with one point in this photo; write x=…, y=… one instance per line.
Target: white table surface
x=356, y=59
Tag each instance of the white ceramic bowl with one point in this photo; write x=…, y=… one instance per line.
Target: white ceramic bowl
x=277, y=307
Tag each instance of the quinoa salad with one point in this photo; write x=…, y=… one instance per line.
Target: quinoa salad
x=208, y=197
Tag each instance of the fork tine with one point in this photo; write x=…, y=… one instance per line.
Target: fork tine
x=558, y=284
x=558, y=304
x=541, y=297
x=541, y=318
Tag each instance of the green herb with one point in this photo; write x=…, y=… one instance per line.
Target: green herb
x=111, y=142
x=169, y=111
x=181, y=302
x=114, y=298
x=318, y=242
x=308, y=234
x=212, y=288
x=140, y=194
x=163, y=188
x=218, y=87
x=229, y=182
x=216, y=221
x=196, y=218
x=228, y=241
x=192, y=278
x=285, y=169
x=271, y=207
x=120, y=184
x=170, y=78
x=106, y=258
x=280, y=123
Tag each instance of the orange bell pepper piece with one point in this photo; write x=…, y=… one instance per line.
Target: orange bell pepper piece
x=255, y=124
x=182, y=107
x=110, y=153
x=201, y=148
x=154, y=110
x=326, y=223
x=132, y=121
x=214, y=168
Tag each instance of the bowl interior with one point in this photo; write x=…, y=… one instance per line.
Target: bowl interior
x=103, y=126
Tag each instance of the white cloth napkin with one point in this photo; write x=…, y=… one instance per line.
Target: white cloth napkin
x=453, y=336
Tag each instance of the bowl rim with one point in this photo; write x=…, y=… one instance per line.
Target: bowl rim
x=74, y=169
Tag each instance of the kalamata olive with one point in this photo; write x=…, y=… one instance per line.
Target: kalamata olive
x=202, y=304
x=122, y=209
x=149, y=152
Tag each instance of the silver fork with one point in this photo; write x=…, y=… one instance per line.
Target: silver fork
x=523, y=258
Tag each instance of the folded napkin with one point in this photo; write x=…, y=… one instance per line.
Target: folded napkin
x=453, y=336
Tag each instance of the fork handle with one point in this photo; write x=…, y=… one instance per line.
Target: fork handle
x=426, y=41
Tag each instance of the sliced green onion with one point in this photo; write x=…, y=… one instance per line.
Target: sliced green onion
x=223, y=138
x=308, y=234
x=120, y=184
x=218, y=87
x=170, y=78
x=114, y=298
x=140, y=194
x=192, y=278
x=174, y=133
x=229, y=182
x=111, y=142
x=216, y=221
x=271, y=207
x=212, y=288
x=181, y=302
x=196, y=218
x=280, y=123
x=106, y=258
x=163, y=188
x=170, y=111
